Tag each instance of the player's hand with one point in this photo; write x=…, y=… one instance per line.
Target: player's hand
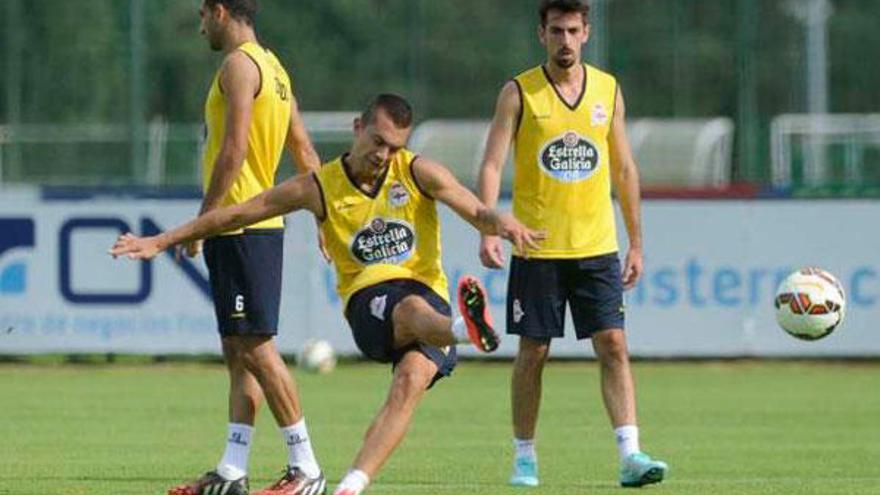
x=136, y=248
x=632, y=268
x=191, y=249
x=518, y=234
x=491, y=251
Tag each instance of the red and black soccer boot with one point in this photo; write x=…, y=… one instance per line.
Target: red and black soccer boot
x=474, y=309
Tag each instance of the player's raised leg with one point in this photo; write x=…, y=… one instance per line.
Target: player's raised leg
x=416, y=321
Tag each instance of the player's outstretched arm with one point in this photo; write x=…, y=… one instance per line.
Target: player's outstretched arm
x=298, y=193
x=625, y=175
x=501, y=134
x=437, y=181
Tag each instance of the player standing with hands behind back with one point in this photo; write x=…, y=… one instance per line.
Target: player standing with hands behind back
x=566, y=122
x=250, y=115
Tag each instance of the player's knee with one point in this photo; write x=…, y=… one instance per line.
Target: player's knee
x=251, y=361
x=530, y=363
x=410, y=307
x=408, y=386
x=533, y=354
x=406, y=313
x=253, y=354
x=610, y=347
x=232, y=354
x=251, y=398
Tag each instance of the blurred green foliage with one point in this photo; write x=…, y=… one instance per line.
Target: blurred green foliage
x=71, y=62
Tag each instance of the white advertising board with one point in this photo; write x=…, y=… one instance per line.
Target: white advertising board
x=711, y=271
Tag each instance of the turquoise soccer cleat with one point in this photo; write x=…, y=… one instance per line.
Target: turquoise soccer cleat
x=639, y=469
x=525, y=472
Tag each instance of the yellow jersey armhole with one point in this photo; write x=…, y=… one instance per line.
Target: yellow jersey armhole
x=259, y=69
x=325, y=213
x=415, y=180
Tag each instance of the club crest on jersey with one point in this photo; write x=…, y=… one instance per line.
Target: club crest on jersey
x=398, y=195
x=382, y=241
x=569, y=158
x=599, y=116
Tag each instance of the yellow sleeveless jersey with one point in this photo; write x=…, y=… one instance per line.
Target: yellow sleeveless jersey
x=562, y=183
x=373, y=238
x=270, y=120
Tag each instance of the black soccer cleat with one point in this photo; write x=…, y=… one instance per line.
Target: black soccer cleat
x=212, y=483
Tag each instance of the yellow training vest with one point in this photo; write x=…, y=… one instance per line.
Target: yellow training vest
x=391, y=234
x=562, y=183
x=270, y=120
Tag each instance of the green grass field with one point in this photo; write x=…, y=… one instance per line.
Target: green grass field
x=725, y=428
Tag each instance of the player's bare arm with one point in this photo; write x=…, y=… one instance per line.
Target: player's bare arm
x=298, y=143
x=501, y=134
x=443, y=186
x=240, y=81
x=304, y=156
x=298, y=193
x=625, y=176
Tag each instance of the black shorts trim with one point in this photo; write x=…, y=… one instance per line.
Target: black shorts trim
x=253, y=232
x=245, y=276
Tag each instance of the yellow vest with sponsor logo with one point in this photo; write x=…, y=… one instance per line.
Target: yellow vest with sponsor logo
x=270, y=120
x=562, y=183
x=391, y=234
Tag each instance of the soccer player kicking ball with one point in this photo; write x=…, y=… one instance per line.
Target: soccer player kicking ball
x=377, y=207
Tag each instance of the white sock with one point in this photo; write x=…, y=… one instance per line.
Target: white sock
x=459, y=330
x=234, y=463
x=627, y=440
x=524, y=448
x=299, y=449
x=355, y=481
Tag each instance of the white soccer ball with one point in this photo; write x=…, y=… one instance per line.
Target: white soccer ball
x=316, y=356
x=810, y=304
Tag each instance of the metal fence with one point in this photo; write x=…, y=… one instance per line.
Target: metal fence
x=136, y=72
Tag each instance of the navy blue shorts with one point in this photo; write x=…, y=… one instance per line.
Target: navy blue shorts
x=539, y=289
x=245, y=273
x=369, y=316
